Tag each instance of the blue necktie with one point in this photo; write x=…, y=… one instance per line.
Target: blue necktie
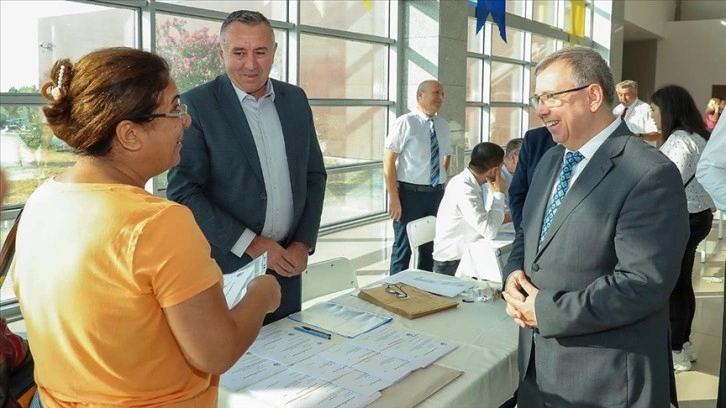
x=435, y=161
x=571, y=160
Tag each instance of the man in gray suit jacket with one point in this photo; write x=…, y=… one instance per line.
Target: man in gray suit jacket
x=251, y=168
x=592, y=268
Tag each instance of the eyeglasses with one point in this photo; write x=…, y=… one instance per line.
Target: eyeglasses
x=396, y=290
x=550, y=99
x=180, y=112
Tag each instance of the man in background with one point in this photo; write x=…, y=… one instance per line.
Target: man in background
x=634, y=112
x=534, y=145
x=251, y=168
x=463, y=216
x=417, y=155
x=711, y=173
x=594, y=263
x=508, y=168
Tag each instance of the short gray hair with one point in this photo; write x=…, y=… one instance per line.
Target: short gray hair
x=247, y=17
x=588, y=67
x=513, y=147
x=628, y=83
x=424, y=85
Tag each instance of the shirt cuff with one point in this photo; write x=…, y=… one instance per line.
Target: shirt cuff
x=242, y=243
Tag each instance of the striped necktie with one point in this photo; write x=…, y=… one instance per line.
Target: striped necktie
x=571, y=160
x=435, y=161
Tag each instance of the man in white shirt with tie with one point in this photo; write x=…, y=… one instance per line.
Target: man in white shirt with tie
x=634, y=112
x=415, y=161
x=463, y=215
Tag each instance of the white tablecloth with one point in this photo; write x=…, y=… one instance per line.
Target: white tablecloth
x=487, y=341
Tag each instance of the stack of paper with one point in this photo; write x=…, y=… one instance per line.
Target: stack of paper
x=344, y=320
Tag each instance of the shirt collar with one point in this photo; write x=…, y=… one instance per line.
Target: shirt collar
x=241, y=95
x=422, y=115
x=588, y=149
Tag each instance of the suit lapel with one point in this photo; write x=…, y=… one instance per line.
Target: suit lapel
x=597, y=168
x=237, y=121
x=285, y=113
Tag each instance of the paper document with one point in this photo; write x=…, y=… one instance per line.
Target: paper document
x=235, y=283
x=437, y=283
x=331, y=396
x=347, y=354
x=341, y=319
x=284, y=387
x=290, y=347
x=389, y=368
x=248, y=370
x=382, y=338
x=420, y=350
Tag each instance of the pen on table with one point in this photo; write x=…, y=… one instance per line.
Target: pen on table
x=316, y=331
x=312, y=332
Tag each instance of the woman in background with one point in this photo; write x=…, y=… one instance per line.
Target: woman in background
x=684, y=137
x=713, y=113
x=122, y=302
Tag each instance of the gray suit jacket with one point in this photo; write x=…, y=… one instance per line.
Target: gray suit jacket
x=219, y=176
x=605, y=272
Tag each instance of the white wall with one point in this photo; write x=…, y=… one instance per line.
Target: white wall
x=692, y=55
x=650, y=15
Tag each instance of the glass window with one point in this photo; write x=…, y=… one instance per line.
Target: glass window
x=190, y=46
x=29, y=152
x=507, y=82
x=504, y=125
x=513, y=48
x=516, y=7
x=542, y=47
x=474, y=74
x=545, y=11
x=35, y=34
x=350, y=135
x=353, y=193
x=347, y=15
x=474, y=42
x=534, y=120
x=472, y=131
x=272, y=9
x=337, y=68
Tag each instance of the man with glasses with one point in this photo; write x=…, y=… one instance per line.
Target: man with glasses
x=251, y=168
x=593, y=266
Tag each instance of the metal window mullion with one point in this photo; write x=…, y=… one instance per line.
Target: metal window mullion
x=350, y=168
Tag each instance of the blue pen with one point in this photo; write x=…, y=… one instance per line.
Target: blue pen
x=314, y=333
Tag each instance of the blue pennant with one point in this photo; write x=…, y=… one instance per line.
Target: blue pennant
x=496, y=8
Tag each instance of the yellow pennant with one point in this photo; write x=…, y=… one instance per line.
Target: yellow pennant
x=577, y=21
x=368, y=4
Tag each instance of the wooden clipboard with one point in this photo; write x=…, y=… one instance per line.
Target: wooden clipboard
x=417, y=303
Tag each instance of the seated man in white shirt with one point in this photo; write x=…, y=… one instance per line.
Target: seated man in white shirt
x=463, y=216
x=634, y=112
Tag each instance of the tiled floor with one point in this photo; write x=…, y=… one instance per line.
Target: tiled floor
x=368, y=247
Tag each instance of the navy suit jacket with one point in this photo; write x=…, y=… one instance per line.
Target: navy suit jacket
x=219, y=176
x=536, y=142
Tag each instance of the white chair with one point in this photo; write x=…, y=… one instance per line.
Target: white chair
x=327, y=278
x=420, y=231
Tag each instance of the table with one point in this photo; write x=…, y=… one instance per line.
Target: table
x=487, y=353
x=484, y=259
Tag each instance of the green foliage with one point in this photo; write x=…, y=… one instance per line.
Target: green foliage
x=192, y=56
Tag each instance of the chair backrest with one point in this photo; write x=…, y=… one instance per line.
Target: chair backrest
x=326, y=277
x=419, y=232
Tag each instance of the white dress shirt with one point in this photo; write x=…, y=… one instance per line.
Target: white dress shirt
x=711, y=170
x=410, y=138
x=684, y=150
x=270, y=143
x=464, y=218
x=587, y=151
x=638, y=117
